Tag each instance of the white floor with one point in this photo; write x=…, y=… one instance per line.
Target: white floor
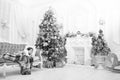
x=69, y=72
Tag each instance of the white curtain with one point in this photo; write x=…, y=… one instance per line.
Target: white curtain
x=21, y=23
x=76, y=15
x=4, y=18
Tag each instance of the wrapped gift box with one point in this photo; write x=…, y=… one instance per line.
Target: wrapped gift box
x=59, y=64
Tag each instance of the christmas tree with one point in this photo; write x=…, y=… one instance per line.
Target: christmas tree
x=49, y=39
x=99, y=45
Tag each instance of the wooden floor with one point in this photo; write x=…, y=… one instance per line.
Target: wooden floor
x=69, y=72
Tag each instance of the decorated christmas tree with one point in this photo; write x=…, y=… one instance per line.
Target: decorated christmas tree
x=50, y=41
x=99, y=45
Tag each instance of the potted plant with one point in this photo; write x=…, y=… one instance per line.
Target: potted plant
x=99, y=49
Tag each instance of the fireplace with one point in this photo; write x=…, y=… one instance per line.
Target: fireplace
x=79, y=55
x=78, y=50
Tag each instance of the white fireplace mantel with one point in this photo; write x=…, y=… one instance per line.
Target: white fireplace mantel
x=78, y=43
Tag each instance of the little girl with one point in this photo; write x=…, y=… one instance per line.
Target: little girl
x=30, y=52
